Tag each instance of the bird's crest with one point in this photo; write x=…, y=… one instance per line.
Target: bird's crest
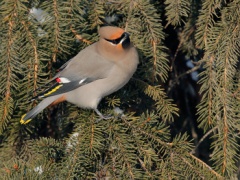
x=117, y=34
x=111, y=32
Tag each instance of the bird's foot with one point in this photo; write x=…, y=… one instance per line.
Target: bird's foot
x=102, y=116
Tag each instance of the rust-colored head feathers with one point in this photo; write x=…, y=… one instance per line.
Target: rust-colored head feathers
x=110, y=32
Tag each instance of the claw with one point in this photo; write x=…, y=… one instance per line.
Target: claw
x=102, y=116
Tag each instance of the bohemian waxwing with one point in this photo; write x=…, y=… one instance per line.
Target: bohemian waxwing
x=95, y=72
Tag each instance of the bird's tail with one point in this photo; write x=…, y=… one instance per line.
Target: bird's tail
x=26, y=118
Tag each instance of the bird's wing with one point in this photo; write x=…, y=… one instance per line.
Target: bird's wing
x=84, y=68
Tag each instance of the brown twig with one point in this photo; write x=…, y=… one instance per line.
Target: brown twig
x=203, y=138
x=79, y=37
x=207, y=166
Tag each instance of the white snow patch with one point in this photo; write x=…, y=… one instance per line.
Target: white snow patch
x=38, y=169
x=72, y=140
x=194, y=74
x=117, y=110
x=38, y=14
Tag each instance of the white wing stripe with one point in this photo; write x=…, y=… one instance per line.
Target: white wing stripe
x=80, y=82
x=64, y=80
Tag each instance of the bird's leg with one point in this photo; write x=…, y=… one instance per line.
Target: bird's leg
x=101, y=115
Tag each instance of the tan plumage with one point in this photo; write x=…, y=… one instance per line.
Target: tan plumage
x=95, y=72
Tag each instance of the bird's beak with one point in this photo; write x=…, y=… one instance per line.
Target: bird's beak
x=125, y=40
x=125, y=36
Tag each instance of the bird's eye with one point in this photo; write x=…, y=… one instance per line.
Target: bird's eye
x=124, y=40
x=114, y=41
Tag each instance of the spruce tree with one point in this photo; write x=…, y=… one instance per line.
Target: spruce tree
x=177, y=118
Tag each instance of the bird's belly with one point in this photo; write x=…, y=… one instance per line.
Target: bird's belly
x=89, y=95
x=84, y=97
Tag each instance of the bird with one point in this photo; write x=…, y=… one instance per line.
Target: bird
x=95, y=72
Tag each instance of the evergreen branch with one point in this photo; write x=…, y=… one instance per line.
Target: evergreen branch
x=113, y=164
x=79, y=37
x=224, y=46
x=70, y=10
x=144, y=151
x=173, y=146
x=225, y=113
x=210, y=93
x=150, y=27
x=206, y=21
x=206, y=166
x=154, y=60
x=6, y=103
x=189, y=71
x=96, y=14
x=190, y=164
x=175, y=56
x=144, y=167
x=74, y=158
x=183, y=39
x=203, y=138
x=56, y=30
x=125, y=158
x=164, y=106
x=227, y=68
x=159, y=66
x=175, y=10
x=151, y=135
x=206, y=105
x=192, y=167
x=154, y=31
x=131, y=5
x=235, y=94
x=9, y=72
x=36, y=59
x=92, y=137
x=177, y=78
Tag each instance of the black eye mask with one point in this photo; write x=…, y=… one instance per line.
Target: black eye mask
x=124, y=37
x=115, y=41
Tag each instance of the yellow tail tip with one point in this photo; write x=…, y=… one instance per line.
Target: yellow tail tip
x=24, y=121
